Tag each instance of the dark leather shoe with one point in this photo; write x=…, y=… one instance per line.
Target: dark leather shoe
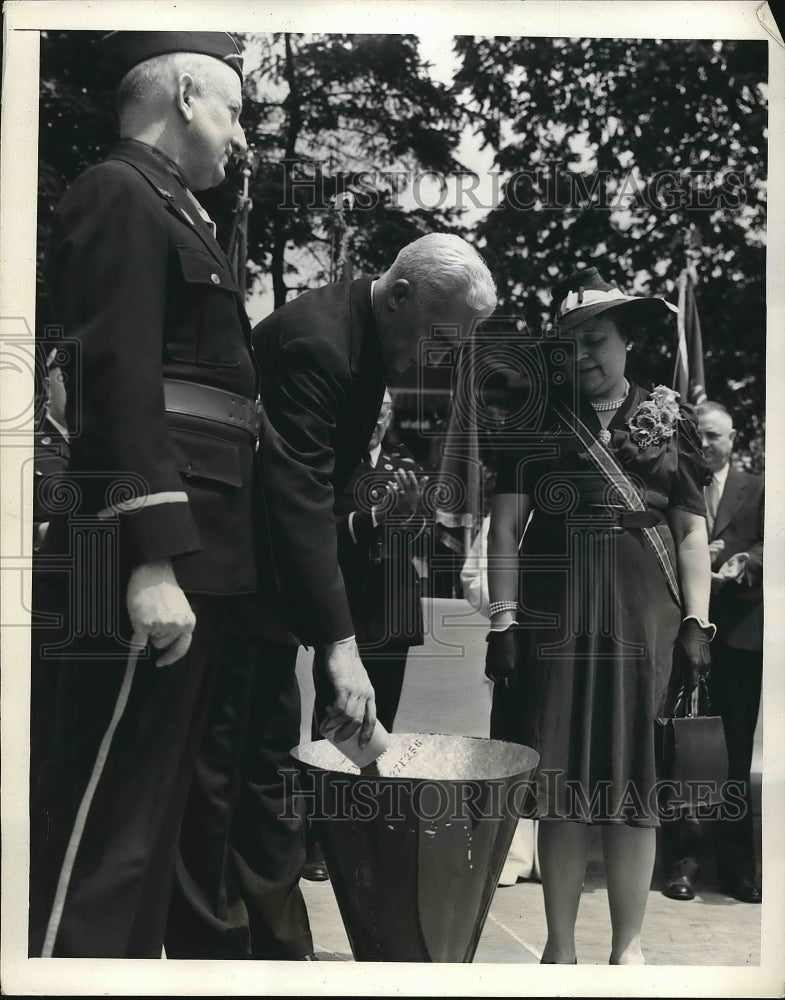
x=315, y=872
x=314, y=869
x=745, y=891
x=679, y=887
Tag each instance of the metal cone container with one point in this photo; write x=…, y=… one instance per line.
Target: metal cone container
x=415, y=843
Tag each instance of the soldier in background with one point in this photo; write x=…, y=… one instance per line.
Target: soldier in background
x=382, y=530
x=50, y=462
x=50, y=444
x=382, y=535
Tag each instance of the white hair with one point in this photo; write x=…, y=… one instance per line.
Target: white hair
x=153, y=79
x=441, y=265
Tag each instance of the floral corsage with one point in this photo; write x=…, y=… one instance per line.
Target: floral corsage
x=655, y=419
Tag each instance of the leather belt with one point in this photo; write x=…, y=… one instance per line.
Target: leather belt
x=209, y=403
x=613, y=516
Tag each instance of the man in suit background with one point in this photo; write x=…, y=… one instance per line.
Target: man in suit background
x=382, y=530
x=734, y=505
x=162, y=467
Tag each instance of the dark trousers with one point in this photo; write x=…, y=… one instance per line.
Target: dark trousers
x=734, y=690
x=386, y=666
x=107, y=800
x=236, y=891
x=735, y=687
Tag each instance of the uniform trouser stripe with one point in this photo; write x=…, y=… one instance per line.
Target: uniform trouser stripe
x=66, y=871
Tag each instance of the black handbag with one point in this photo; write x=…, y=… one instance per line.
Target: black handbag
x=691, y=755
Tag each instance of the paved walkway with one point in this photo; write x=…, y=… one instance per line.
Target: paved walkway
x=445, y=692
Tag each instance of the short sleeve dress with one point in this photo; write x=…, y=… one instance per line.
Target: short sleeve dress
x=598, y=621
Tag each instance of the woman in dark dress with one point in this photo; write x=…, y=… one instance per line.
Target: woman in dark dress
x=614, y=589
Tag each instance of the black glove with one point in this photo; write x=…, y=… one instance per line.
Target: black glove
x=500, y=656
x=691, y=655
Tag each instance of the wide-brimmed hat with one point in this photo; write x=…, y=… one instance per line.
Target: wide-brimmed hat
x=585, y=294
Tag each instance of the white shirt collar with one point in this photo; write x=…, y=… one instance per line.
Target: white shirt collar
x=373, y=454
x=60, y=428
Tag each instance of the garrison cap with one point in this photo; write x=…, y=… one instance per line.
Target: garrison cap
x=125, y=49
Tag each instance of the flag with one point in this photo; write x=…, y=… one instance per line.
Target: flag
x=237, y=248
x=688, y=377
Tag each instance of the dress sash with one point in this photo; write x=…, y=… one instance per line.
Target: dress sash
x=604, y=461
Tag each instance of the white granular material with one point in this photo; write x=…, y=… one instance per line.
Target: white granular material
x=429, y=756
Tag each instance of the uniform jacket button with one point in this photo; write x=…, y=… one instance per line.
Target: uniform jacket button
x=215, y=279
x=46, y=440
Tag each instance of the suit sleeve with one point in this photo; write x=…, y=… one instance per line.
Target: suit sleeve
x=304, y=387
x=107, y=272
x=753, y=571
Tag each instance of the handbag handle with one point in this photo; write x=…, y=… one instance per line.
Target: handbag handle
x=697, y=703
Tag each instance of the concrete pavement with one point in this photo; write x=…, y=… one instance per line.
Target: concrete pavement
x=445, y=692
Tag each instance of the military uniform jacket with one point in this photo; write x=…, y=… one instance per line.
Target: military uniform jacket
x=137, y=278
x=376, y=560
x=737, y=608
x=322, y=383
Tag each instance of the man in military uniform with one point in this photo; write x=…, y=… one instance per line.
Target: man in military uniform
x=50, y=447
x=160, y=534
x=50, y=463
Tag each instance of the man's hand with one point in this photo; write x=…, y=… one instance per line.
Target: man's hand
x=159, y=611
x=409, y=489
x=715, y=548
x=735, y=568
x=354, y=706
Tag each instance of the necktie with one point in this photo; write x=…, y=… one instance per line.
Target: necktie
x=712, y=496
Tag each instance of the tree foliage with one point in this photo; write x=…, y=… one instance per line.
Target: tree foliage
x=637, y=157
x=77, y=120
x=330, y=114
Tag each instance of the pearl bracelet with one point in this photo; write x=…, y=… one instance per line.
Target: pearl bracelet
x=496, y=606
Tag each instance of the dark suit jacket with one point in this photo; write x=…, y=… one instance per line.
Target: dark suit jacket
x=137, y=278
x=322, y=383
x=382, y=583
x=737, y=609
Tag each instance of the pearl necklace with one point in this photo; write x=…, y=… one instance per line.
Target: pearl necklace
x=603, y=405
